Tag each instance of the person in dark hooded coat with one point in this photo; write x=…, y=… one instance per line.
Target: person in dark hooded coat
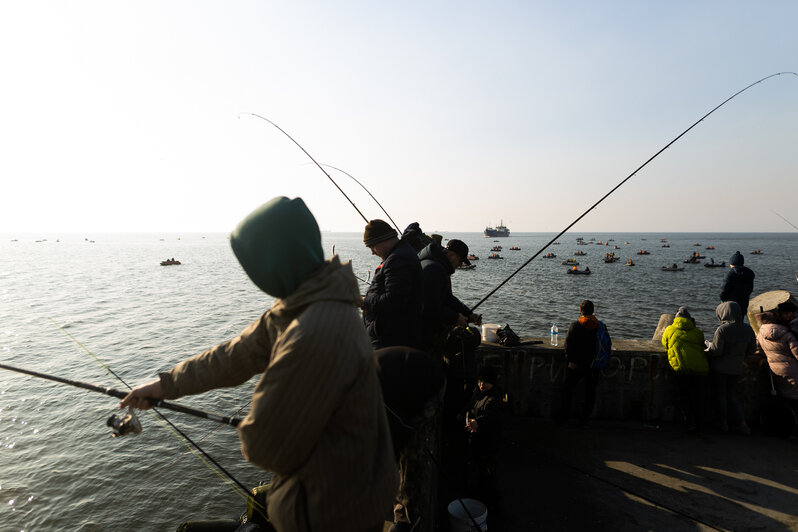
x=739, y=282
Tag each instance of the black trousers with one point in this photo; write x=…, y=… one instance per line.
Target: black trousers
x=573, y=376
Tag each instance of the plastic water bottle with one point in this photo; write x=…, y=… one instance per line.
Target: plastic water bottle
x=555, y=333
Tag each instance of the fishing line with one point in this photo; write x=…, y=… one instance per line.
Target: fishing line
x=367, y=192
x=311, y=158
x=175, y=430
x=794, y=271
x=616, y=187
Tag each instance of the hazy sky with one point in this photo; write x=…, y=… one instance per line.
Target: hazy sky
x=125, y=116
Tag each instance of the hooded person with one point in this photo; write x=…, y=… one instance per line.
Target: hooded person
x=780, y=346
x=684, y=343
x=317, y=419
x=393, y=303
x=732, y=343
x=739, y=282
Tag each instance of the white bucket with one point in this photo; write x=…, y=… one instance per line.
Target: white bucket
x=489, y=332
x=459, y=520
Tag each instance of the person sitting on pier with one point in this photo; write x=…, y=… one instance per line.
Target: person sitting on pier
x=780, y=346
x=733, y=341
x=685, y=345
x=483, y=424
x=739, y=282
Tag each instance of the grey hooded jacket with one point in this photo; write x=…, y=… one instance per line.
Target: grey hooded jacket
x=733, y=340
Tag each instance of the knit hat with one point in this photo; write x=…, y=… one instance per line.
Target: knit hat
x=377, y=231
x=278, y=245
x=737, y=259
x=459, y=247
x=487, y=374
x=683, y=313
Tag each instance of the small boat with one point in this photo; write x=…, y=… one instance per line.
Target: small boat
x=472, y=257
x=610, y=257
x=170, y=262
x=673, y=268
x=577, y=271
x=756, y=252
x=496, y=248
x=549, y=255
x=696, y=244
x=466, y=266
x=715, y=264
x=495, y=256
x=580, y=253
x=630, y=263
x=570, y=262
x=666, y=245
x=641, y=252
x=691, y=260
x=710, y=247
x=555, y=243
x=515, y=248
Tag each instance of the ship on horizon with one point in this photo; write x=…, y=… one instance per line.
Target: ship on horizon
x=499, y=230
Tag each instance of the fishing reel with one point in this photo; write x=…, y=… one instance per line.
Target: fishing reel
x=124, y=424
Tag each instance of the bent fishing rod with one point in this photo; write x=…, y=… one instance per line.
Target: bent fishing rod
x=155, y=403
x=616, y=187
x=311, y=158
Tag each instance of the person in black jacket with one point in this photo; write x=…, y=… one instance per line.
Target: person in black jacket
x=392, y=306
x=580, y=350
x=483, y=425
x=739, y=282
x=442, y=310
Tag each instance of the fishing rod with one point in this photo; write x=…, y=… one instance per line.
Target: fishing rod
x=367, y=192
x=794, y=271
x=233, y=421
x=311, y=158
x=125, y=424
x=616, y=187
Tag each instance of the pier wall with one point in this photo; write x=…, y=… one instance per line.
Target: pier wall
x=636, y=385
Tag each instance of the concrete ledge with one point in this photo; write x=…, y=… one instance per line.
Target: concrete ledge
x=635, y=386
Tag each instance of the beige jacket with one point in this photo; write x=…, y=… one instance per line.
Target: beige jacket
x=317, y=418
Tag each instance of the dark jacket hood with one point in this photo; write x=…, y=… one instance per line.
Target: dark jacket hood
x=435, y=252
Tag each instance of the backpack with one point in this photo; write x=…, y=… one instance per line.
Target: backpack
x=507, y=336
x=603, y=347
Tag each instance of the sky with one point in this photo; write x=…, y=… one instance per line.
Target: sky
x=134, y=116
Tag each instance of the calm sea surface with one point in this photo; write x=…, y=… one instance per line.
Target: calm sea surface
x=61, y=470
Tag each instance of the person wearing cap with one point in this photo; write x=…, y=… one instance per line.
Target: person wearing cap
x=684, y=343
x=483, y=425
x=317, y=419
x=739, y=282
x=393, y=304
x=780, y=346
x=442, y=310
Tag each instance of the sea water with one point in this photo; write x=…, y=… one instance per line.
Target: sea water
x=74, y=305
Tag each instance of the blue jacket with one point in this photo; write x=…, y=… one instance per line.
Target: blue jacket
x=738, y=286
x=441, y=307
x=393, y=303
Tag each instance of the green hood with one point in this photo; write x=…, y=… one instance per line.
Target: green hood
x=278, y=245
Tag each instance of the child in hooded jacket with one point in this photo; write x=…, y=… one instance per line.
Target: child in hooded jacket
x=733, y=341
x=685, y=345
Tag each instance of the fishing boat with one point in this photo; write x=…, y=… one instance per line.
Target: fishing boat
x=666, y=245
x=466, y=266
x=580, y=253
x=495, y=256
x=170, y=262
x=515, y=248
x=691, y=260
x=630, y=263
x=756, y=252
x=496, y=248
x=715, y=264
x=499, y=230
x=570, y=262
x=577, y=271
x=641, y=252
x=472, y=257
x=673, y=268
x=710, y=247
x=549, y=255
x=610, y=257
